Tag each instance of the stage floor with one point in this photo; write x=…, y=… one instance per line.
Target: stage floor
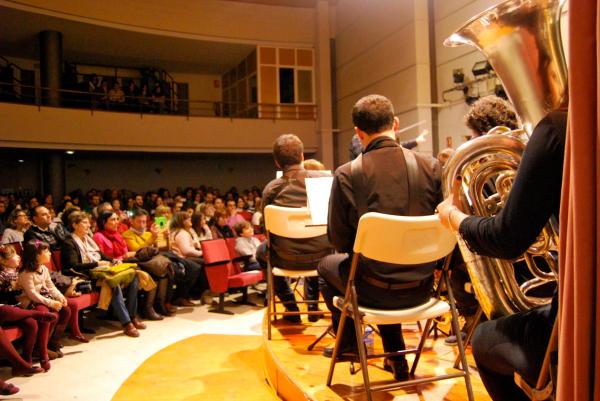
x=298, y=374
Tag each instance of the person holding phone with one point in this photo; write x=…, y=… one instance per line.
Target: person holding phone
x=138, y=236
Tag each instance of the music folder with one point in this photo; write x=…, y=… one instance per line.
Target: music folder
x=317, y=194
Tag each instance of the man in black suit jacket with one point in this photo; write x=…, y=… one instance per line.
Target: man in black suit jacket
x=378, y=181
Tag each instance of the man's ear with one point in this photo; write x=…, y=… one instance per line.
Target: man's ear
x=396, y=124
x=277, y=165
x=302, y=159
x=360, y=133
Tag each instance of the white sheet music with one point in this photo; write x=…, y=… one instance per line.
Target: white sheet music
x=317, y=194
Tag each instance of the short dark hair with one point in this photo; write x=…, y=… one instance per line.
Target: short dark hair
x=489, y=112
x=30, y=251
x=138, y=211
x=33, y=212
x=373, y=114
x=288, y=150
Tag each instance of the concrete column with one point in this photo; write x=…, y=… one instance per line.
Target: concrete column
x=54, y=175
x=424, y=83
x=51, y=66
x=323, y=80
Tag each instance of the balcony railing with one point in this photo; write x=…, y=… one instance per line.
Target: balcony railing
x=15, y=92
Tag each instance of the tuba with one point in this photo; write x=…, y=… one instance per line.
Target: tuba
x=521, y=40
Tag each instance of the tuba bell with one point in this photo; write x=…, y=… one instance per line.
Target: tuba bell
x=521, y=40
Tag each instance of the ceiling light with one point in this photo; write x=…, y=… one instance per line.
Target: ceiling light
x=21, y=161
x=70, y=152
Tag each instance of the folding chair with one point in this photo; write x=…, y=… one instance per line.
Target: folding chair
x=403, y=240
x=545, y=387
x=293, y=223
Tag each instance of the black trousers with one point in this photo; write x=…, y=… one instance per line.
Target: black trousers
x=334, y=271
x=283, y=290
x=512, y=343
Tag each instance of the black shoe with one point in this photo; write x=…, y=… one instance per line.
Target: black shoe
x=399, y=367
x=87, y=330
x=292, y=319
x=315, y=318
x=451, y=340
x=348, y=354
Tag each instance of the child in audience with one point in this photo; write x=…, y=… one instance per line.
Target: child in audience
x=39, y=293
x=10, y=262
x=246, y=244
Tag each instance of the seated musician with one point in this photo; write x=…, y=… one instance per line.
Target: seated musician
x=484, y=115
x=290, y=191
x=517, y=342
x=378, y=184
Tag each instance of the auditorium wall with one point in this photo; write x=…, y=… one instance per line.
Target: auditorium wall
x=382, y=47
x=60, y=128
x=448, y=17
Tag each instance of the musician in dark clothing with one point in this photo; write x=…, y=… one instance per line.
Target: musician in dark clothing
x=379, y=183
x=290, y=191
x=517, y=342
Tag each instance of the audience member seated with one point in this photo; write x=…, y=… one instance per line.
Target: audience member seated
x=219, y=205
x=137, y=238
x=3, y=216
x=132, y=93
x=246, y=244
x=184, y=246
x=200, y=229
x=40, y=229
x=158, y=100
x=221, y=229
x=18, y=223
x=242, y=209
x=80, y=254
x=10, y=262
x=108, y=238
x=257, y=217
x=40, y=293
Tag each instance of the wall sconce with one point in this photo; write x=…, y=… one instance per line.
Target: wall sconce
x=458, y=76
x=481, y=68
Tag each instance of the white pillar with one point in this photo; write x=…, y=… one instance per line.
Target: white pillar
x=423, y=60
x=323, y=80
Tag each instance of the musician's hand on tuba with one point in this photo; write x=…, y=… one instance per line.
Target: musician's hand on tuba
x=448, y=210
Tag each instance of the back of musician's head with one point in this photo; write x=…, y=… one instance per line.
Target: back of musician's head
x=489, y=112
x=373, y=114
x=288, y=150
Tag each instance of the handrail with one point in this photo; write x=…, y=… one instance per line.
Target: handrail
x=148, y=105
x=10, y=63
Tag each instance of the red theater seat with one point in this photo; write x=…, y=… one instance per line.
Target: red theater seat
x=223, y=275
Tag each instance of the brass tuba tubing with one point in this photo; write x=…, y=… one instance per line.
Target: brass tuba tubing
x=521, y=40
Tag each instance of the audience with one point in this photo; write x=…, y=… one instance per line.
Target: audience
x=246, y=244
x=10, y=262
x=40, y=293
x=18, y=223
x=40, y=229
x=185, y=247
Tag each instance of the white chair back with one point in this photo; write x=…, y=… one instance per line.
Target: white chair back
x=404, y=240
x=291, y=222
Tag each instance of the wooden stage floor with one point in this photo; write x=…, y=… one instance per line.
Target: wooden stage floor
x=298, y=374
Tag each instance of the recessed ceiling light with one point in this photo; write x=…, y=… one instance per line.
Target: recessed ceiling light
x=21, y=161
x=70, y=152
